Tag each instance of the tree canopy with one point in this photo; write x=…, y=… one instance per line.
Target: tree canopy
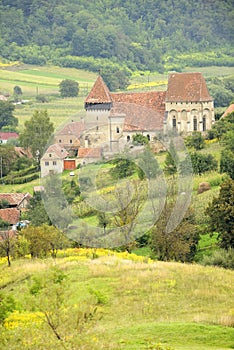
x=69, y=88
x=37, y=133
x=6, y=114
x=221, y=213
x=141, y=34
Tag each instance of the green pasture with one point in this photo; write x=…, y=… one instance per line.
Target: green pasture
x=139, y=305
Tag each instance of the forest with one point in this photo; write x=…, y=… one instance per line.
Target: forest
x=140, y=35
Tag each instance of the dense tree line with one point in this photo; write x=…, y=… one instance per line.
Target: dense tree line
x=138, y=34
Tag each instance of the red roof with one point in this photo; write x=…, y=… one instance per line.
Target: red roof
x=14, y=198
x=56, y=151
x=73, y=128
x=8, y=135
x=143, y=110
x=187, y=87
x=22, y=152
x=229, y=110
x=99, y=93
x=89, y=152
x=10, y=215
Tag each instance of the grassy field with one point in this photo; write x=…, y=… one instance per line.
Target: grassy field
x=36, y=80
x=139, y=305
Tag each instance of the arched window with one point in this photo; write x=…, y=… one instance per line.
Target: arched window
x=195, y=124
x=117, y=130
x=148, y=137
x=128, y=138
x=204, y=123
x=174, y=122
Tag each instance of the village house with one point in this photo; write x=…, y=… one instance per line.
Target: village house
x=6, y=136
x=10, y=215
x=69, y=136
x=229, y=110
x=52, y=161
x=15, y=200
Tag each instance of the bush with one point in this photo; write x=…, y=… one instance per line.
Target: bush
x=196, y=140
x=222, y=258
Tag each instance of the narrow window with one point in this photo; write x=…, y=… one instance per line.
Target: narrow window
x=204, y=123
x=148, y=137
x=60, y=141
x=70, y=141
x=96, y=128
x=117, y=130
x=128, y=138
x=195, y=124
x=50, y=155
x=174, y=122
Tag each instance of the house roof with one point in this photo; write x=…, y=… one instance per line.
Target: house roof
x=23, y=152
x=56, y=152
x=143, y=110
x=73, y=128
x=187, y=87
x=229, y=110
x=99, y=93
x=8, y=135
x=11, y=215
x=89, y=152
x=14, y=198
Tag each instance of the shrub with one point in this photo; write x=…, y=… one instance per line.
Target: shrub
x=222, y=258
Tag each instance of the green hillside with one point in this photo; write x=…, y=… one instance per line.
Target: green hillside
x=140, y=35
x=115, y=301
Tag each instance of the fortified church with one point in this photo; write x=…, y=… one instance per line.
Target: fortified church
x=111, y=119
x=186, y=106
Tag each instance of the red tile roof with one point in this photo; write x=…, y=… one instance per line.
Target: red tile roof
x=22, y=152
x=143, y=110
x=99, y=93
x=73, y=128
x=229, y=110
x=8, y=135
x=14, y=198
x=56, y=151
x=89, y=152
x=10, y=215
x=187, y=87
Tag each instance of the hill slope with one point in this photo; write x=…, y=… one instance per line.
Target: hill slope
x=128, y=304
x=141, y=33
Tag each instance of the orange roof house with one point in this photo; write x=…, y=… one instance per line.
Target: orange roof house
x=16, y=200
x=229, y=110
x=10, y=215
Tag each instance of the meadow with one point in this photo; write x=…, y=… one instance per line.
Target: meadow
x=140, y=304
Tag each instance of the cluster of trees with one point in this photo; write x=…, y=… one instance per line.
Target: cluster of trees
x=138, y=34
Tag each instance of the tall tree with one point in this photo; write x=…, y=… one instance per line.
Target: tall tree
x=179, y=244
x=221, y=214
x=37, y=133
x=6, y=114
